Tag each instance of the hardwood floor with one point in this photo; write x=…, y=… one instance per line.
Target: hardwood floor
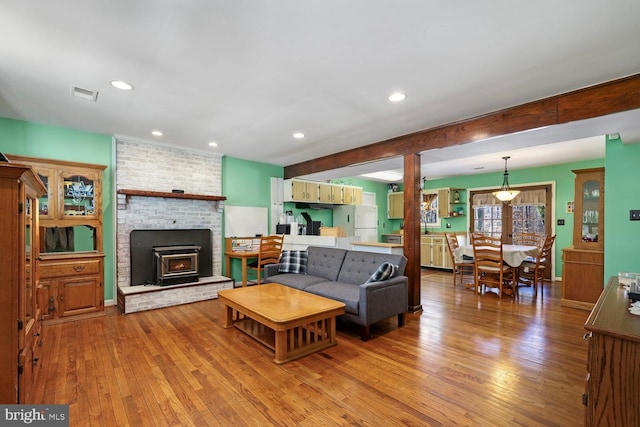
x=466, y=360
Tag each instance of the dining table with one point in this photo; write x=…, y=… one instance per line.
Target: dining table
x=514, y=255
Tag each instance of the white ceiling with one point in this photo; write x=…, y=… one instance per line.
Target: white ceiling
x=248, y=73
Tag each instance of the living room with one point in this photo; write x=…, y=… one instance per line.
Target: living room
x=462, y=359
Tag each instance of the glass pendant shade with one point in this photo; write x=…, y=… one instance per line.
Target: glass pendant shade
x=505, y=194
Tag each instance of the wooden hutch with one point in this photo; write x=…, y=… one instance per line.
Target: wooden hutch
x=71, y=246
x=583, y=264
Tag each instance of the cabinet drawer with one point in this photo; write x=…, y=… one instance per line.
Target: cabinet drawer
x=70, y=268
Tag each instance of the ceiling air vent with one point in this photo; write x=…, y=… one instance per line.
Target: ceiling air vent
x=89, y=95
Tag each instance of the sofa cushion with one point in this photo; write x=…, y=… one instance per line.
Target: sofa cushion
x=293, y=280
x=347, y=293
x=293, y=262
x=325, y=262
x=359, y=266
x=384, y=272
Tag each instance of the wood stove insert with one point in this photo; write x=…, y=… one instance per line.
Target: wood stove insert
x=173, y=265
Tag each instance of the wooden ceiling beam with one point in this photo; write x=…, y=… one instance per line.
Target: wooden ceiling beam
x=595, y=101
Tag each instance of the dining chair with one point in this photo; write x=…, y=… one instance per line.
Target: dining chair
x=462, y=266
x=532, y=273
x=529, y=239
x=268, y=253
x=490, y=269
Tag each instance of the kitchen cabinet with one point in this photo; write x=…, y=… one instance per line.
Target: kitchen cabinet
x=612, y=382
x=298, y=190
x=352, y=195
x=331, y=193
x=583, y=263
x=395, y=205
x=21, y=335
x=434, y=252
x=71, y=247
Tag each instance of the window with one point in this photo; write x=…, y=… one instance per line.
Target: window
x=429, y=210
x=487, y=219
x=525, y=214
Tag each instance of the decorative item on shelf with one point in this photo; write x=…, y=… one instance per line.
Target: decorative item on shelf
x=456, y=196
x=506, y=194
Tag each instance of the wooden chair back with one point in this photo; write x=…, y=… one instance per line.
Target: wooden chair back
x=459, y=267
x=269, y=253
x=490, y=269
x=529, y=239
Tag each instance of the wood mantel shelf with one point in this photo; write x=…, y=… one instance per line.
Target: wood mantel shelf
x=122, y=201
x=167, y=195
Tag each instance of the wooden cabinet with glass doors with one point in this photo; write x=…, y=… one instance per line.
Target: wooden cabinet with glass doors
x=583, y=263
x=71, y=246
x=20, y=325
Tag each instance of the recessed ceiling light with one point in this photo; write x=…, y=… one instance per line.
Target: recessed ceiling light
x=213, y=144
x=156, y=133
x=121, y=85
x=298, y=135
x=397, y=97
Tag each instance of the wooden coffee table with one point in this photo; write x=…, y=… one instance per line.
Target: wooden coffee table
x=293, y=323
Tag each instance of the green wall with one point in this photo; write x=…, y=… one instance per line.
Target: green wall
x=622, y=193
x=51, y=142
x=246, y=183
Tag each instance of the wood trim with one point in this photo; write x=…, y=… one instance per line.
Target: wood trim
x=412, y=226
x=167, y=195
x=61, y=163
x=599, y=100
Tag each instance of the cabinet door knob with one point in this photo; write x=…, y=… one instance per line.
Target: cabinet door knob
x=78, y=268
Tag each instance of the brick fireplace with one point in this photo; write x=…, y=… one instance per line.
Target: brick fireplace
x=154, y=168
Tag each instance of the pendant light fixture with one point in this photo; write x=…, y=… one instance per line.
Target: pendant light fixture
x=506, y=194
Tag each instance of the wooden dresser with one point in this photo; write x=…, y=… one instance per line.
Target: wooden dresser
x=613, y=361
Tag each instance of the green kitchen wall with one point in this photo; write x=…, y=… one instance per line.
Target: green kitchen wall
x=51, y=142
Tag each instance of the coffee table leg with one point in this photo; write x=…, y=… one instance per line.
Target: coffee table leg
x=280, y=346
x=331, y=332
x=228, y=320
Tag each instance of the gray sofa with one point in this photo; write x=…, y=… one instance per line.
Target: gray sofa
x=341, y=274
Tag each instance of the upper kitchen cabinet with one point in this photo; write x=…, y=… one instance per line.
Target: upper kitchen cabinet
x=331, y=193
x=395, y=205
x=297, y=190
x=353, y=195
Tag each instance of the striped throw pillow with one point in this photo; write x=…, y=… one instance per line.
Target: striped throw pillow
x=293, y=262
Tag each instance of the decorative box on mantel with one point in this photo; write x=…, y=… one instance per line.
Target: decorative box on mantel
x=124, y=194
x=132, y=299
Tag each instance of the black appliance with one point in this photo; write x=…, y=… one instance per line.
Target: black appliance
x=313, y=227
x=283, y=228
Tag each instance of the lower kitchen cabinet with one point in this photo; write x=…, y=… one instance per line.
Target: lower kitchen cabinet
x=434, y=252
x=72, y=284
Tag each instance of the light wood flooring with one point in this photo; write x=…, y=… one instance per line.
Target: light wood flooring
x=466, y=360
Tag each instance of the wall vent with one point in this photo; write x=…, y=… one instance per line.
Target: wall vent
x=89, y=95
